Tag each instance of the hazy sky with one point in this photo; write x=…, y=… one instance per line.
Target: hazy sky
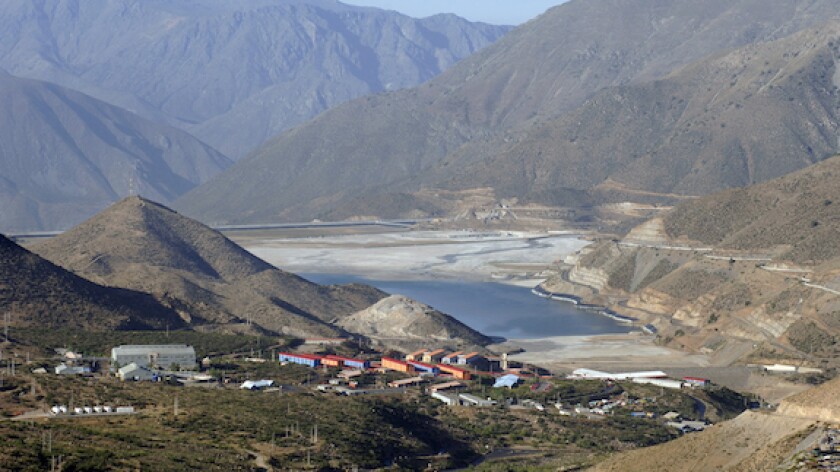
x=500, y=12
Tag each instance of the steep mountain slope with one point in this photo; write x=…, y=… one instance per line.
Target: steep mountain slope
x=795, y=217
x=396, y=321
x=65, y=156
x=141, y=245
x=502, y=96
x=231, y=73
x=36, y=292
x=731, y=120
x=757, y=266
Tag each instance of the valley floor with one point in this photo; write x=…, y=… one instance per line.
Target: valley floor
x=510, y=257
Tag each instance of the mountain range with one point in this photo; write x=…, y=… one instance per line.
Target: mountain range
x=231, y=73
x=592, y=96
x=65, y=155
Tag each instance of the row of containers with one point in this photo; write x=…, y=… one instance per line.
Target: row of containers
x=314, y=360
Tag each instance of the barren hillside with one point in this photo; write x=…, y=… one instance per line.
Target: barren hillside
x=396, y=320
x=757, y=265
x=36, y=292
x=754, y=441
x=145, y=246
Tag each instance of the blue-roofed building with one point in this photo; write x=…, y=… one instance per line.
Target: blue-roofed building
x=508, y=381
x=423, y=367
x=302, y=359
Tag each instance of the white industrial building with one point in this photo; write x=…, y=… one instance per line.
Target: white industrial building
x=597, y=374
x=163, y=356
x=136, y=373
x=667, y=383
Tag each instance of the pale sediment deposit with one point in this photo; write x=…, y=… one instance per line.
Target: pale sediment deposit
x=472, y=255
x=619, y=350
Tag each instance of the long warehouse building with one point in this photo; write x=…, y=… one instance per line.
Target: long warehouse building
x=164, y=356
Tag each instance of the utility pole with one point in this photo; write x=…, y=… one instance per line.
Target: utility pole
x=7, y=318
x=176, y=406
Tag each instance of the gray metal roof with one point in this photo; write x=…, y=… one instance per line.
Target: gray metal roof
x=131, y=349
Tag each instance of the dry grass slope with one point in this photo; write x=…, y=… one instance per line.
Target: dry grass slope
x=36, y=292
x=141, y=245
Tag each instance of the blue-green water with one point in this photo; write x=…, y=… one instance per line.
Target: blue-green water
x=491, y=308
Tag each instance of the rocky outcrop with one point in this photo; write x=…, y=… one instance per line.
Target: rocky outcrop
x=397, y=319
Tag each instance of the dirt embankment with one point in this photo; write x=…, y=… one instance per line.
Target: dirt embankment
x=751, y=442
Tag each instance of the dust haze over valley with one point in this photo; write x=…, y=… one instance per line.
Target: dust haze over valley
x=605, y=238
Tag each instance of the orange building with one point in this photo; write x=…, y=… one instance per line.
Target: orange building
x=330, y=362
x=456, y=372
x=399, y=366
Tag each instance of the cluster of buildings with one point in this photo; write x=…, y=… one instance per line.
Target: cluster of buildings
x=409, y=366
x=461, y=399
x=144, y=362
x=316, y=360
x=652, y=377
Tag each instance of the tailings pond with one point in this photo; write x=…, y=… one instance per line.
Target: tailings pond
x=492, y=308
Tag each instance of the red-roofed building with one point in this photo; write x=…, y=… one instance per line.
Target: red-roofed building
x=698, y=381
x=423, y=367
x=303, y=359
x=456, y=372
x=350, y=362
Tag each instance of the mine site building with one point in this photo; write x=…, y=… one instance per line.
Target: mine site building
x=416, y=355
x=451, y=358
x=434, y=357
x=164, y=356
x=666, y=383
x=256, y=384
x=474, y=360
x=456, y=372
x=697, y=381
x=330, y=361
x=423, y=367
x=302, y=359
x=394, y=364
x=597, y=374
x=508, y=381
x=473, y=400
x=447, y=398
x=407, y=382
x=136, y=373
x=64, y=369
x=350, y=362
x=445, y=386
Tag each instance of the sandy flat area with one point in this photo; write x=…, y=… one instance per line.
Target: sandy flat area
x=611, y=352
x=424, y=255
